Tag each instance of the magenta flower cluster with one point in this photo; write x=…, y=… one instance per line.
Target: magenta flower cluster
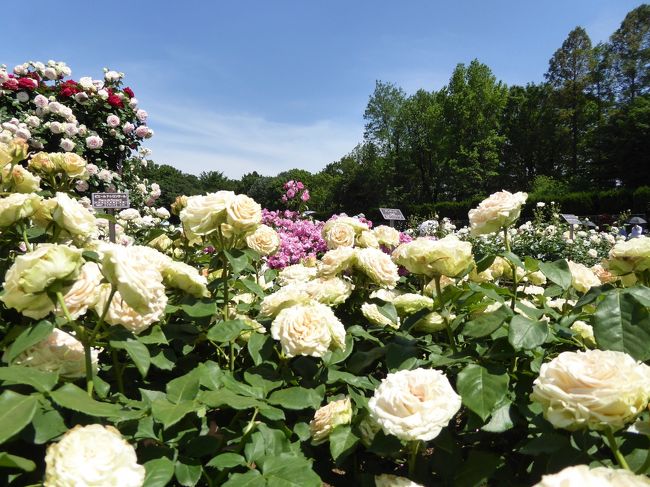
x=295, y=189
x=299, y=239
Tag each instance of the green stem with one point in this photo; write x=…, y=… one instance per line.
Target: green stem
x=25, y=239
x=513, y=268
x=226, y=298
x=117, y=370
x=450, y=334
x=614, y=447
x=413, y=458
x=231, y=347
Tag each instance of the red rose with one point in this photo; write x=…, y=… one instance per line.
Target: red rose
x=69, y=88
x=128, y=91
x=10, y=84
x=115, y=101
x=27, y=83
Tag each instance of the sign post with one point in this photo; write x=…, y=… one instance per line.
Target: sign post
x=392, y=214
x=571, y=220
x=110, y=202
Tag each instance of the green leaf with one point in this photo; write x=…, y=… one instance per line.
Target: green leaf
x=342, y=442
x=389, y=311
x=227, y=331
x=484, y=262
x=339, y=355
x=287, y=470
x=47, y=424
x=296, y=398
x=154, y=337
x=513, y=258
x=31, y=336
x=361, y=382
x=480, y=389
x=185, y=387
x=477, y=469
x=558, y=272
x=12, y=461
x=72, y=397
x=168, y=413
x=158, y=472
x=188, y=474
x=253, y=287
x=252, y=478
x=500, y=421
x=138, y=352
x=16, y=412
x=526, y=334
x=487, y=323
x=237, y=263
x=225, y=397
x=622, y=323
x=257, y=344
x=200, y=309
x=226, y=460
x=39, y=380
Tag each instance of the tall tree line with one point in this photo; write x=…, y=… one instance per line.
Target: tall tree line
x=586, y=126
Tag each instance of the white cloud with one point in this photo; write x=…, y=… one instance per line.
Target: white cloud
x=196, y=140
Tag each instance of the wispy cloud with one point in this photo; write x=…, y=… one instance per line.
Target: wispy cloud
x=197, y=139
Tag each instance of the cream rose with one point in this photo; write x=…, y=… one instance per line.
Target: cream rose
x=336, y=261
x=367, y=239
x=60, y=352
x=338, y=234
x=32, y=274
x=71, y=216
x=296, y=273
x=289, y=295
x=582, y=475
x=72, y=165
x=329, y=417
x=630, y=256
x=20, y=180
x=372, y=313
x=84, y=292
x=414, y=404
x=410, y=303
x=431, y=322
x=185, y=277
x=203, y=214
x=386, y=235
x=496, y=212
x=355, y=223
x=603, y=275
x=263, y=240
x=308, y=329
x=585, y=332
x=448, y=256
x=244, y=214
x=378, y=266
x=17, y=206
x=595, y=389
x=120, y=313
x=92, y=455
x=332, y=291
x=388, y=480
x=582, y=279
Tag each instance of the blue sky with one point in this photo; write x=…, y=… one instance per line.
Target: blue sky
x=268, y=85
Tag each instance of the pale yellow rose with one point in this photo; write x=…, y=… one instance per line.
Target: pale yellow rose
x=582, y=475
x=182, y=276
x=631, y=256
x=73, y=165
x=331, y=291
x=84, y=293
x=414, y=404
x=410, y=303
x=244, y=214
x=386, y=235
x=430, y=288
x=162, y=243
x=328, y=417
x=43, y=164
x=18, y=206
x=595, y=389
x=13, y=151
x=308, y=329
x=92, y=455
x=32, y=274
x=336, y=261
x=338, y=234
x=378, y=266
x=431, y=322
x=582, y=279
x=19, y=179
x=263, y=240
x=296, y=273
x=120, y=313
x=585, y=332
x=355, y=223
x=285, y=297
x=372, y=313
x=203, y=214
x=367, y=239
x=498, y=211
x=61, y=353
x=71, y=216
x=448, y=256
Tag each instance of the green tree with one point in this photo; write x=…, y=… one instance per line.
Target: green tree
x=212, y=181
x=630, y=46
x=172, y=181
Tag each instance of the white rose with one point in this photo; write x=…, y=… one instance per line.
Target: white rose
x=244, y=213
x=264, y=240
x=332, y=291
x=92, y=455
x=595, y=389
x=387, y=480
x=496, y=212
x=585, y=332
x=367, y=239
x=582, y=475
x=414, y=404
x=71, y=216
x=296, y=273
x=378, y=266
x=448, y=256
x=630, y=256
x=289, y=295
x=410, y=303
x=336, y=261
x=113, y=121
x=60, y=352
x=355, y=223
x=329, y=417
x=113, y=76
x=185, y=277
x=94, y=142
x=86, y=83
x=582, y=279
x=22, y=96
x=386, y=235
x=120, y=313
x=203, y=214
x=163, y=213
x=338, y=234
x=18, y=206
x=67, y=145
x=84, y=292
x=308, y=329
x=128, y=214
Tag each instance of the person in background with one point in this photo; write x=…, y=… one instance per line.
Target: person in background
x=636, y=231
